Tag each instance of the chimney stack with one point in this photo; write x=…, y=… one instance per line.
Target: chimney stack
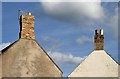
x=27, y=26
x=99, y=40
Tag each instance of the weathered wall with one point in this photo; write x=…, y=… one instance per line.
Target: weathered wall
x=119, y=72
x=26, y=59
x=0, y=66
x=97, y=64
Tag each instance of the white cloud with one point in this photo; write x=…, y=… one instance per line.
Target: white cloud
x=59, y=57
x=88, y=14
x=85, y=14
x=70, y=0
x=110, y=0
x=77, y=10
x=83, y=39
x=4, y=45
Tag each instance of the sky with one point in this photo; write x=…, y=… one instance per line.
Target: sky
x=64, y=29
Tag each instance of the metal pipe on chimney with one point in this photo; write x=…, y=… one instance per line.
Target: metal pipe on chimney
x=101, y=31
x=29, y=13
x=97, y=32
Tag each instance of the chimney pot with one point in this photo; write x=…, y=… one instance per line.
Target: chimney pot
x=29, y=13
x=101, y=31
x=96, y=32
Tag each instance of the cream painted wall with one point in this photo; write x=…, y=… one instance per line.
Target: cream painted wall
x=97, y=64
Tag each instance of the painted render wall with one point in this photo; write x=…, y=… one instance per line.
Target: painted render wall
x=97, y=64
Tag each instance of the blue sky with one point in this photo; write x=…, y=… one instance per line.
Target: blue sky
x=65, y=30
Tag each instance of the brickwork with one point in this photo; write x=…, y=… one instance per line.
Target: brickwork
x=27, y=26
x=98, y=40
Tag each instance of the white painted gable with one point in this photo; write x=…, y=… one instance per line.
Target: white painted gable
x=97, y=64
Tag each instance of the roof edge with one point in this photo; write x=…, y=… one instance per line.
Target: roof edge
x=112, y=58
x=6, y=48
x=89, y=54
x=80, y=63
x=48, y=56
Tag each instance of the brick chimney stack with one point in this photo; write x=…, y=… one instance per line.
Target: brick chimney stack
x=27, y=26
x=99, y=40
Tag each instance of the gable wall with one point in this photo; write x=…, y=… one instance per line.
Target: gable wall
x=26, y=59
x=97, y=64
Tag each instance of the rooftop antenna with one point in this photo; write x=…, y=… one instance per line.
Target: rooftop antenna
x=20, y=12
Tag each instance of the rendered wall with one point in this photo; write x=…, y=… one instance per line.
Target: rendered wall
x=25, y=58
x=97, y=64
x=0, y=66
